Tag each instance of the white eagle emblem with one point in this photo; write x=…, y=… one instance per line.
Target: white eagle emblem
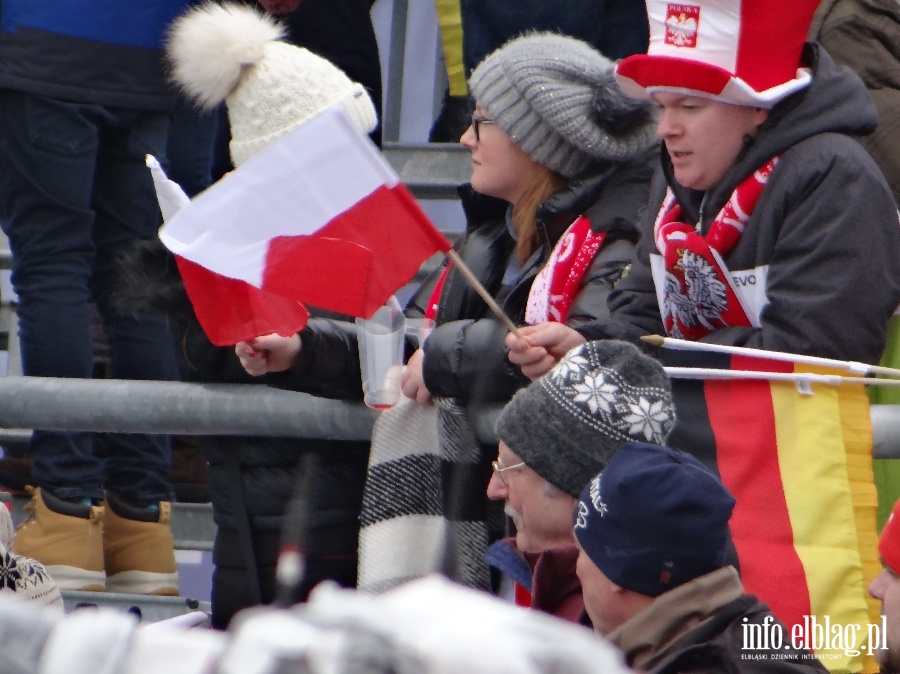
x=682, y=22
x=704, y=298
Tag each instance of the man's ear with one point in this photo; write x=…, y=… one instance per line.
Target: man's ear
x=760, y=116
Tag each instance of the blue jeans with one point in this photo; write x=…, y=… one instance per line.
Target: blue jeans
x=74, y=190
x=192, y=134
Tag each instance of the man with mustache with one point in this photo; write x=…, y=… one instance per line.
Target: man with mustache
x=555, y=436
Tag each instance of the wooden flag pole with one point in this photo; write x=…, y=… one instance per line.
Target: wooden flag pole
x=481, y=290
x=850, y=366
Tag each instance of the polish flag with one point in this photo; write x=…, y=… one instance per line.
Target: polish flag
x=319, y=218
x=228, y=310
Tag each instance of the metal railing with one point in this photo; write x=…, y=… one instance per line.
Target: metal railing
x=177, y=408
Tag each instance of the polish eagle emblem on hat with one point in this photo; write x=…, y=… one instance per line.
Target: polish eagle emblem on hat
x=682, y=22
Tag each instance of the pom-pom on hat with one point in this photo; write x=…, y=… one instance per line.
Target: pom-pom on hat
x=889, y=543
x=568, y=424
x=233, y=53
x=556, y=97
x=745, y=52
x=655, y=518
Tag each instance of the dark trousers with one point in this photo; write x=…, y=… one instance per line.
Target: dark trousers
x=74, y=190
x=618, y=28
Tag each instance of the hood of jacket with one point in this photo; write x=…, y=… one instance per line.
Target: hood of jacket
x=581, y=195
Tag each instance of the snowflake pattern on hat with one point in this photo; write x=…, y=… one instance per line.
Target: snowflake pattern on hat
x=18, y=573
x=21, y=577
x=600, y=396
x=568, y=424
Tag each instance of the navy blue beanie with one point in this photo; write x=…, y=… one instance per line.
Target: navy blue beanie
x=653, y=519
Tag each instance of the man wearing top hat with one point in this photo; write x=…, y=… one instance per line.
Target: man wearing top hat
x=768, y=226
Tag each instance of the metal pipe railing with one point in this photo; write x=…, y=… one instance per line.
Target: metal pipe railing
x=178, y=408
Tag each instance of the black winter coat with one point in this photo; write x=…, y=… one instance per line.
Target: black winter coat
x=465, y=356
x=251, y=481
x=824, y=234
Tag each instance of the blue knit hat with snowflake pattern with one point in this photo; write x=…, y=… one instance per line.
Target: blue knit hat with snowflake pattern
x=566, y=425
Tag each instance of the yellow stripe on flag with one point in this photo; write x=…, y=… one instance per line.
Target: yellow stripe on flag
x=824, y=450
x=857, y=429
x=450, y=23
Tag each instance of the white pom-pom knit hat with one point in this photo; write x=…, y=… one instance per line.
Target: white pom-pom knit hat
x=234, y=53
x=744, y=52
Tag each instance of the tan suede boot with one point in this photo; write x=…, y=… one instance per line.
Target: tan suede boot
x=67, y=538
x=138, y=549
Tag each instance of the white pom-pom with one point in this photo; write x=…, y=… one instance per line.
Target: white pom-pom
x=210, y=46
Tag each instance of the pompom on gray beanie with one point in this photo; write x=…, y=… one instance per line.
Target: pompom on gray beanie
x=567, y=425
x=557, y=98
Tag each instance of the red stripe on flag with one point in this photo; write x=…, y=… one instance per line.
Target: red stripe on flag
x=230, y=311
x=357, y=260
x=749, y=468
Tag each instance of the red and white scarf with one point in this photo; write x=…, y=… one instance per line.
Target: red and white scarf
x=699, y=295
x=557, y=285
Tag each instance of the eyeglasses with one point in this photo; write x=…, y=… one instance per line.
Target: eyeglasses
x=497, y=469
x=478, y=120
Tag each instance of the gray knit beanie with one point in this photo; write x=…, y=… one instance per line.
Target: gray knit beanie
x=556, y=97
x=567, y=425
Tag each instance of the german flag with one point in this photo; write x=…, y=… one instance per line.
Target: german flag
x=800, y=467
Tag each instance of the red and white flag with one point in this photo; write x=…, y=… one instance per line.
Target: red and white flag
x=228, y=310
x=319, y=217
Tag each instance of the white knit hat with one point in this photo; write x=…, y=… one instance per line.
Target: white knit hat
x=233, y=53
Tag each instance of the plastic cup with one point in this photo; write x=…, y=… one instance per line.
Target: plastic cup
x=381, y=344
x=419, y=328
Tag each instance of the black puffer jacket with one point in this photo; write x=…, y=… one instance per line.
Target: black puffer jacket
x=251, y=481
x=465, y=356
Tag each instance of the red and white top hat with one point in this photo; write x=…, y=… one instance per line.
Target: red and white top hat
x=745, y=52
